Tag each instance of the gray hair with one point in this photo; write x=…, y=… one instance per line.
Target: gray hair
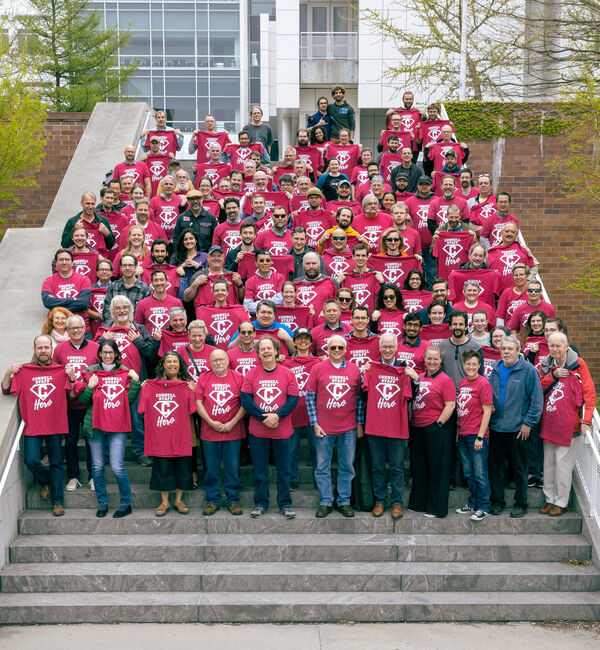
x=85, y=194
x=369, y=197
x=389, y=336
x=197, y=324
x=121, y=300
x=337, y=339
x=176, y=310
x=73, y=318
x=513, y=340
x=469, y=283
x=560, y=335
x=377, y=178
x=478, y=246
x=164, y=178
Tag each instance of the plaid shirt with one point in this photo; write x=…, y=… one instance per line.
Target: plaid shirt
x=138, y=291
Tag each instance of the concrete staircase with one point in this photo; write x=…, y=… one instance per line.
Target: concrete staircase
x=78, y=568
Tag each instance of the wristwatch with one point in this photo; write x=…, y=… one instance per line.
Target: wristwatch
x=479, y=437
x=440, y=424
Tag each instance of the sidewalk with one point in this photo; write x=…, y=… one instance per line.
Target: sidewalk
x=424, y=636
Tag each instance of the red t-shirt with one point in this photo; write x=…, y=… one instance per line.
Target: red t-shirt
x=110, y=403
x=42, y=392
x=415, y=300
x=315, y=293
x=203, y=141
x=387, y=164
x=222, y=322
x=274, y=243
x=137, y=171
x=451, y=250
x=241, y=361
x=508, y=302
x=259, y=288
x=300, y=202
x=227, y=236
x=205, y=295
x=472, y=396
x=80, y=359
x=240, y=154
x=336, y=390
x=437, y=153
x=334, y=206
x=167, y=406
x=166, y=213
x=431, y=131
x=411, y=121
x=301, y=367
x=130, y=356
x=490, y=283
x=337, y=263
x=168, y=141
x=489, y=310
x=157, y=166
x=503, y=258
x=362, y=350
x=119, y=224
x=309, y=155
x=171, y=271
x=492, y=227
x=201, y=360
x=435, y=334
x=404, y=139
x=153, y=314
x=359, y=175
x=348, y=156
x=85, y=264
x=97, y=305
x=364, y=286
x=221, y=399
x=433, y=393
x=490, y=356
x=213, y=171
x=321, y=335
x=481, y=211
x=283, y=264
x=438, y=209
x=294, y=317
x=316, y=222
x=270, y=391
x=562, y=404
x=372, y=229
x=391, y=321
x=272, y=200
x=521, y=314
x=414, y=355
x=172, y=341
x=412, y=241
x=69, y=287
x=394, y=269
x=419, y=212
x=389, y=390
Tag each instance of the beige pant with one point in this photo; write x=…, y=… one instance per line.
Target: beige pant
x=558, y=471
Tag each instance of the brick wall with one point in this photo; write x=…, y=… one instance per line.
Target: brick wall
x=553, y=229
x=64, y=131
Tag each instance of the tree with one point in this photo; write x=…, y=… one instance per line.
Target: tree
x=76, y=58
x=23, y=119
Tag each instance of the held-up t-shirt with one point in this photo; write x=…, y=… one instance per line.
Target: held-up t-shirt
x=389, y=390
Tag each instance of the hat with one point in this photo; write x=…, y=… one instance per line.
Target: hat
x=344, y=182
x=214, y=249
x=450, y=154
x=424, y=179
x=302, y=331
x=194, y=194
x=314, y=191
x=403, y=175
x=154, y=138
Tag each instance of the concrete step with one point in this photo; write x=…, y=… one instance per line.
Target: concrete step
x=299, y=576
x=82, y=522
x=285, y=607
x=293, y=547
x=305, y=497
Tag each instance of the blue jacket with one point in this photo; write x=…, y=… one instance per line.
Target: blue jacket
x=523, y=401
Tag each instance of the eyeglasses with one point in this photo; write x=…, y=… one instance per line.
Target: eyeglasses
x=388, y=347
x=390, y=296
x=534, y=291
x=109, y=352
x=345, y=299
x=336, y=347
x=338, y=238
x=76, y=327
x=392, y=239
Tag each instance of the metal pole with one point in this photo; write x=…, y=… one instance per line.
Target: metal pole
x=462, y=87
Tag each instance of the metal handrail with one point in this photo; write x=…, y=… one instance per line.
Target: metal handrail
x=11, y=455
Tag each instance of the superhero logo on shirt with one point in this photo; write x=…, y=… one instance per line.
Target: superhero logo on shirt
x=67, y=291
x=81, y=266
x=509, y=259
x=43, y=389
x=157, y=168
x=315, y=231
x=221, y=397
x=306, y=295
x=418, y=401
x=221, y=327
x=159, y=320
x=168, y=215
x=268, y=394
x=361, y=296
x=243, y=153
x=555, y=396
x=339, y=265
x=463, y=399
x=386, y=390
x=488, y=210
x=301, y=375
x=408, y=122
x=232, y=240
x=213, y=174
x=337, y=391
x=112, y=391
x=434, y=132
x=451, y=250
x=343, y=157
x=98, y=302
x=441, y=214
x=165, y=407
x=362, y=177
x=392, y=165
x=422, y=213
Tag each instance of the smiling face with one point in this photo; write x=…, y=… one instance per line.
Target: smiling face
x=471, y=367
x=433, y=361
x=171, y=364
x=436, y=315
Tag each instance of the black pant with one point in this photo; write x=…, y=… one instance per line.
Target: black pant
x=429, y=451
x=170, y=474
x=503, y=444
x=75, y=420
x=392, y=449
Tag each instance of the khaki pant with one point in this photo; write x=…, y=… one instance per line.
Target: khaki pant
x=558, y=471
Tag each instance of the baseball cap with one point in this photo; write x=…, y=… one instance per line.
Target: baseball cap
x=402, y=175
x=314, y=191
x=344, y=182
x=424, y=179
x=215, y=249
x=450, y=154
x=302, y=331
x=194, y=194
x=154, y=138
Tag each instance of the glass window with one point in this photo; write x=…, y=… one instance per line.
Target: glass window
x=157, y=18
x=202, y=42
x=134, y=19
x=202, y=103
x=202, y=87
x=183, y=108
x=319, y=19
x=303, y=18
x=225, y=110
x=158, y=88
x=179, y=19
x=179, y=85
x=201, y=20
x=181, y=44
x=137, y=86
x=157, y=43
x=228, y=87
x=111, y=19
x=226, y=45
x=138, y=44
x=224, y=20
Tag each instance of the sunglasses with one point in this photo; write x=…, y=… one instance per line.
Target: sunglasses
x=348, y=299
x=389, y=239
x=336, y=347
x=534, y=291
x=391, y=296
x=338, y=238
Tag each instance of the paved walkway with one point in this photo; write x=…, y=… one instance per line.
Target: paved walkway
x=424, y=636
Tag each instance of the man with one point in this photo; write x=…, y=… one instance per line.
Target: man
x=276, y=239
x=347, y=154
x=436, y=153
x=78, y=353
x=199, y=290
x=213, y=168
x=453, y=348
x=153, y=312
x=235, y=255
x=269, y=395
x=137, y=171
x=439, y=291
x=363, y=281
x=266, y=325
x=308, y=153
x=237, y=154
x=344, y=195
x=170, y=139
x=476, y=268
x=227, y=234
x=411, y=120
x=360, y=186
x=314, y=219
x=329, y=182
x=258, y=211
x=439, y=205
x=412, y=348
x=142, y=218
x=100, y=236
x=243, y=355
x=372, y=222
x=391, y=159
x=492, y=226
x=203, y=223
x=390, y=384
x=418, y=207
x=66, y=288
x=165, y=207
x=343, y=220
x=534, y=302
x=431, y=131
x=465, y=187
x=265, y=284
x=341, y=114
x=483, y=205
x=314, y=288
x=338, y=258
x=407, y=167
x=321, y=334
x=159, y=254
x=202, y=140
x=395, y=129
x=451, y=242
x=363, y=345
x=336, y=412
x=157, y=163
x=518, y=402
x=508, y=252
x=42, y=390
x=377, y=186
x=128, y=285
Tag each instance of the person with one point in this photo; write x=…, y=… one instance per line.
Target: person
x=218, y=401
x=474, y=400
x=202, y=222
x=108, y=389
x=187, y=257
x=246, y=245
x=492, y=226
x=336, y=412
x=480, y=324
x=167, y=403
x=518, y=402
x=387, y=317
x=314, y=288
x=201, y=140
x=341, y=114
x=276, y=238
x=319, y=138
x=437, y=329
x=439, y=292
x=508, y=252
x=153, y=312
x=209, y=202
x=264, y=284
x=363, y=344
x=79, y=353
x=128, y=286
x=159, y=261
x=471, y=303
x=55, y=325
x=85, y=257
x=157, y=163
x=104, y=270
x=418, y=207
x=534, y=303
x=239, y=154
x=333, y=324
x=388, y=200
x=300, y=248
x=429, y=440
x=491, y=352
x=437, y=152
x=45, y=417
x=329, y=182
x=171, y=140
x=136, y=246
x=269, y=395
x=242, y=356
x=414, y=291
x=390, y=385
x=136, y=170
x=320, y=119
x=407, y=167
x=93, y=221
x=222, y=320
x=513, y=296
x=569, y=404
x=290, y=313
x=259, y=131
x=483, y=204
x=531, y=337
x=372, y=222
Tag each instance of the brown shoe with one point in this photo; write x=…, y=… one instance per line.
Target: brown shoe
x=210, y=509
x=181, y=508
x=556, y=511
x=162, y=510
x=235, y=508
x=58, y=510
x=346, y=511
x=397, y=511
x=323, y=511
x=378, y=510
x=45, y=492
x=545, y=509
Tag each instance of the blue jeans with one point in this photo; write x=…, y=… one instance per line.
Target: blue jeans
x=382, y=447
x=53, y=475
x=475, y=467
x=296, y=438
x=116, y=450
x=346, y=446
x=282, y=450
x=227, y=451
x=137, y=429
x=535, y=453
x=429, y=267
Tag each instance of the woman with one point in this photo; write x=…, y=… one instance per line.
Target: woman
x=414, y=291
x=137, y=192
x=55, y=325
x=475, y=402
x=136, y=246
x=391, y=243
x=292, y=314
x=533, y=342
x=107, y=421
x=347, y=302
x=388, y=315
x=209, y=202
x=320, y=120
x=471, y=302
x=491, y=353
x=568, y=386
x=167, y=403
x=430, y=438
x=188, y=258
x=222, y=320
x=259, y=131
x=387, y=201
x=480, y=324
x=438, y=330
x=514, y=296
x=319, y=139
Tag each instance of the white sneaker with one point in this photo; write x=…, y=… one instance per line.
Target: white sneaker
x=92, y=486
x=72, y=485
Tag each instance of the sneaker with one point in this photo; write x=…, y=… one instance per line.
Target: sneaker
x=531, y=481
x=294, y=485
x=144, y=461
x=91, y=485
x=479, y=515
x=257, y=511
x=72, y=485
x=465, y=510
x=288, y=513
x=210, y=509
x=429, y=515
x=323, y=511
x=235, y=508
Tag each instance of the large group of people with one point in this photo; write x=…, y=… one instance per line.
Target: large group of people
x=337, y=296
